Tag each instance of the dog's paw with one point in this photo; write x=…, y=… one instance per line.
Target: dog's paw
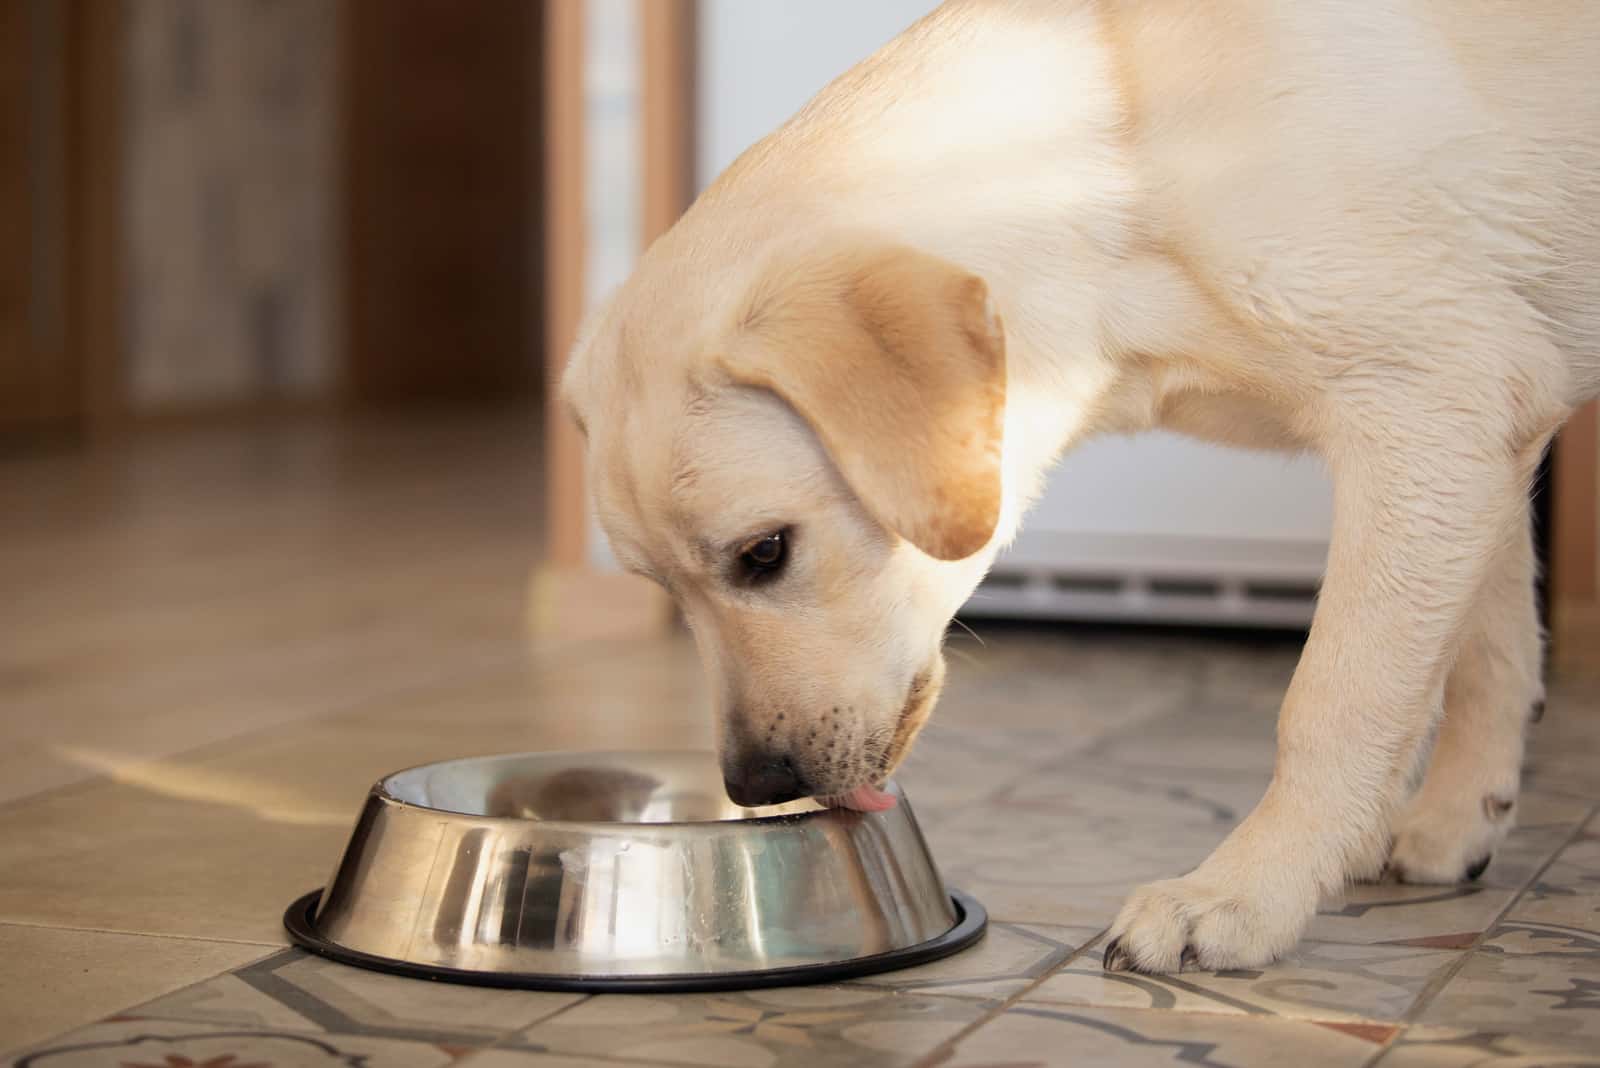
x=1447, y=840
x=1195, y=922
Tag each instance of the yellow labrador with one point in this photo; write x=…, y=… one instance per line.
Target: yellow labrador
x=1365, y=228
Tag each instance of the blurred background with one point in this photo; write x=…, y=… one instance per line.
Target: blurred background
x=282, y=285
x=283, y=506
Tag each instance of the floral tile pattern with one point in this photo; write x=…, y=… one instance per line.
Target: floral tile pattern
x=1043, y=1036
x=1529, y=977
x=295, y=991
x=1545, y=822
x=1538, y=971
x=1443, y=917
x=1434, y=1047
x=1066, y=844
x=990, y=759
x=800, y=1027
x=1011, y=958
x=1562, y=748
x=1568, y=892
x=1320, y=981
x=522, y=1058
x=119, y=1043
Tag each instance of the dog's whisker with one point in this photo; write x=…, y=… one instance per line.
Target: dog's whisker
x=958, y=621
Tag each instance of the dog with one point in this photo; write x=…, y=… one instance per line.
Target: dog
x=1368, y=229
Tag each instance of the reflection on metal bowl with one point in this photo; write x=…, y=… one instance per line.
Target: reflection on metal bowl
x=625, y=871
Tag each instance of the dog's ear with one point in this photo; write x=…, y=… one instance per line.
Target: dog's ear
x=897, y=360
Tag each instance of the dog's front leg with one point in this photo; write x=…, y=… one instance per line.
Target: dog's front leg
x=1419, y=517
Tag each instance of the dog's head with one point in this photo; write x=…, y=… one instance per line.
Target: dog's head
x=809, y=459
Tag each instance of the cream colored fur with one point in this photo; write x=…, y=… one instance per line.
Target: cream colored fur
x=1367, y=229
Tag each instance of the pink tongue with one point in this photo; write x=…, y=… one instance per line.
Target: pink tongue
x=864, y=799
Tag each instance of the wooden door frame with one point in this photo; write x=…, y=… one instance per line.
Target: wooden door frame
x=1574, y=581
x=95, y=283
x=71, y=89
x=570, y=596
x=566, y=508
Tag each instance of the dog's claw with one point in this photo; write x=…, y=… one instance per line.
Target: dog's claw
x=1114, y=959
x=1478, y=867
x=1190, y=959
x=1537, y=712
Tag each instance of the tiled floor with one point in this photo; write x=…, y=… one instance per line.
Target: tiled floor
x=214, y=644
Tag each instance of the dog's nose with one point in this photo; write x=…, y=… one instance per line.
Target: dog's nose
x=763, y=780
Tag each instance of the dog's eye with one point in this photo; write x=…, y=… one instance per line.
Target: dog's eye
x=764, y=557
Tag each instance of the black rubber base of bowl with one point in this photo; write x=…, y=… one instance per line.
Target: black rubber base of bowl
x=971, y=921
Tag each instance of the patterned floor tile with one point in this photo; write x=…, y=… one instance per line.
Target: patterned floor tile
x=1045, y=1036
x=1443, y=917
x=1199, y=797
x=121, y=1043
x=955, y=763
x=1538, y=972
x=1010, y=958
x=800, y=1027
x=1066, y=845
x=521, y=1058
x=1180, y=746
x=1317, y=982
x=299, y=992
x=1567, y=893
x=1065, y=876
x=1069, y=681
x=67, y=979
x=1453, y=917
x=1436, y=1047
x=1564, y=745
x=1528, y=977
x=1545, y=824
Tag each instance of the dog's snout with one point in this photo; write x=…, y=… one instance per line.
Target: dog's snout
x=763, y=779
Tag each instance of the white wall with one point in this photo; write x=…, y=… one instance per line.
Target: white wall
x=760, y=60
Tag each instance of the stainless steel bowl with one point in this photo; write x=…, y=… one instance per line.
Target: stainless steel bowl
x=625, y=871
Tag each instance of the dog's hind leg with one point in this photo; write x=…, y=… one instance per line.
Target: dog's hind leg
x=1467, y=801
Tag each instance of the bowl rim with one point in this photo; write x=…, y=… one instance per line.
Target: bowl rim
x=380, y=790
x=972, y=922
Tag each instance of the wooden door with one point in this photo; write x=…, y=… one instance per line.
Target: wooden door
x=38, y=382
x=60, y=168
x=441, y=198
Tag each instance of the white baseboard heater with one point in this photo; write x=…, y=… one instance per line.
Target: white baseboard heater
x=1167, y=530
x=1153, y=578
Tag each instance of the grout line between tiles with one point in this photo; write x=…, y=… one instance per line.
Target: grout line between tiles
x=1435, y=987
x=541, y=1021
x=1388, y=1044
x=273, y=951
x=6, y=1055
x=506, y=1041
x=1063, y=757
x=947, y=1048
x=33, y=925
